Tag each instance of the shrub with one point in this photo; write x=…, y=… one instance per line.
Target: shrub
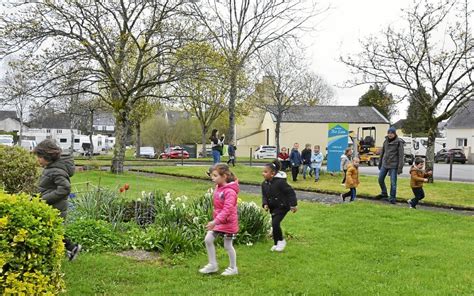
x=94, y=235
x=254, y=223
x=18, y=170
x=101, y=204
x=31, y=246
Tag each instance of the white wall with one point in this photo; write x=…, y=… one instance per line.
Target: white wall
x=451, y=141
x=9, y=125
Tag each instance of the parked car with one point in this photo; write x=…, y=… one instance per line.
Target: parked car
x=444, y=154
x=265, y=151
x=147, y=152
x=176, y=152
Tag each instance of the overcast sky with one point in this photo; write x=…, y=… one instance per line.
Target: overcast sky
x=338, y=33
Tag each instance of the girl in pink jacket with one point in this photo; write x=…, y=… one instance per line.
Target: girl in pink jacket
x=225, y=219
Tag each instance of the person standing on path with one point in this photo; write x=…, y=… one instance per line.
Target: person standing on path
x=295, y=160
x=306, y=158
x=391, y=163
x=345, y=161
x=316, y=162
x=216, y=145
x=231, y=150
x=352, y=180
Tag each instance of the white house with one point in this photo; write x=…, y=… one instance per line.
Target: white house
x=104, y=123
x=9, y=121
x=460, y=130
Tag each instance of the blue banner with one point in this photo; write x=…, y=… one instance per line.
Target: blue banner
x=337, y=142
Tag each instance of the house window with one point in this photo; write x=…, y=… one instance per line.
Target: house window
x=48, y=131
x=461, y=142
x=59, y=131
x=104, y=128
x=48, y=137
x=62, y=140
x=76, y=140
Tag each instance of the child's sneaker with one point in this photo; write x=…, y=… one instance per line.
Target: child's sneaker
x=343, y=198
x=273, y=248
x=280, y=246
x=209, y=268
x=410, y=205
x=230, y=271
x=75, y=251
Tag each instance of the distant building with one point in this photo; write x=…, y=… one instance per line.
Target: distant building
x=460, y=130
x=399, y=127
x=9, y=122
x=306, y=124
x=104, y=123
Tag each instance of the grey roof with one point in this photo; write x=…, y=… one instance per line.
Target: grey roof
x=330, y=114
x=52, y=121
x=8, y=114
x=399, y=124
x=107, y=119
x=463, y=118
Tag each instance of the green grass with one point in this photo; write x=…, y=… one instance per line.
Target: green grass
x=439, y=193
x=360, y=248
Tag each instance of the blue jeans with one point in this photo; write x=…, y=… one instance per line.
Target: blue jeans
x=316, y=173
x=216, y=156
x=393, y=182
x=352, y=193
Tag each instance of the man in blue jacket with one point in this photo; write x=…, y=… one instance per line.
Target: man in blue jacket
x=295, y=160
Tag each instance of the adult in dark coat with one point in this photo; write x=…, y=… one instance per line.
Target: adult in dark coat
x=391, y=163
x=295, y=160
x=54, y=184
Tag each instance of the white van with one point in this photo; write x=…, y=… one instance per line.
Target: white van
x=265, y=151
x=6, y=140
x=28, y=144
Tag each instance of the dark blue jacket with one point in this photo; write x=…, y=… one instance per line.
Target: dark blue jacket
x=306, y=156
x=231, y=150
x=295, y=157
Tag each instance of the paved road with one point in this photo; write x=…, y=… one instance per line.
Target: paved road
x=461, y=172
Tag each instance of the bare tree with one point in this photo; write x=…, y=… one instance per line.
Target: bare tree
x=240, y=28
x=122, y=48
x=16, y=91
x=287, y=83
x=435, y=54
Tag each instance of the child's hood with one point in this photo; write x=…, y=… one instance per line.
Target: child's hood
x=65, y=163
x=230, y=186
x=414, y=168
x=280, y=175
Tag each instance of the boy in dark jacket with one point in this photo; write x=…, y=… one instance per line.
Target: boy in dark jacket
x=54, y=183
x=279, y=198
x=295, y=160
x=231, y=150
x=306, y=158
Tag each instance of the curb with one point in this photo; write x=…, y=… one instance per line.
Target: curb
x=363, y=196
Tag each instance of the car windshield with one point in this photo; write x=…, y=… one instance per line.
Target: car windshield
x=5, y=141
x=146, y=149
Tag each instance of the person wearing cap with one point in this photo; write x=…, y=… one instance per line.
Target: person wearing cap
x=392, y=160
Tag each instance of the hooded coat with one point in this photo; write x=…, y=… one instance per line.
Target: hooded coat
x=55, y=185
x=225, y=208
x=278, y=195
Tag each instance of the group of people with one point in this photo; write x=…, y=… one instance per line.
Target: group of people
x=278, y=197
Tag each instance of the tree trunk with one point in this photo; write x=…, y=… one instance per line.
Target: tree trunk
x=277, y=132
x=71, y=129
x=232, y=100
x=430, y=153
x=203, y=141
x=121, y=126
x=138, y=138
x=91, y=149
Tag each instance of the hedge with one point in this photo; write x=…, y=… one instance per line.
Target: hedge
x=31, y=246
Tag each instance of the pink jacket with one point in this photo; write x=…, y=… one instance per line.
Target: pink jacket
x=225, y=208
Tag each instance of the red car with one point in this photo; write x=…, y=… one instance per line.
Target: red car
x=174, y=153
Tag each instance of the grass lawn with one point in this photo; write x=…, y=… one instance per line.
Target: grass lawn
x=347, y=249
x=440, y=192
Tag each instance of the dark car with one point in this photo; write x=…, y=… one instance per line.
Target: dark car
x=444, y=154
x=176, y=152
